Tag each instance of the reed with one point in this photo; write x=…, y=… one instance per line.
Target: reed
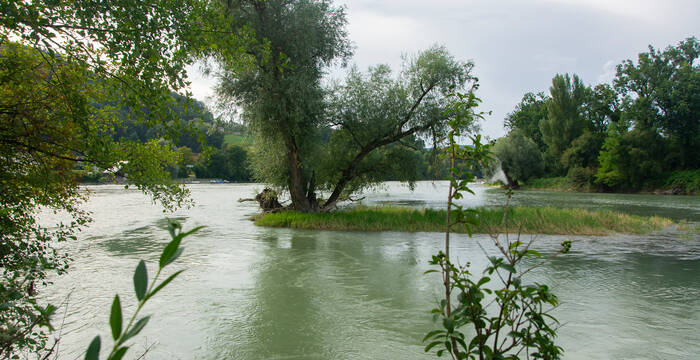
x=526, y=220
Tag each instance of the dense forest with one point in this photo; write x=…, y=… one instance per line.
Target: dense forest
x=642, y=132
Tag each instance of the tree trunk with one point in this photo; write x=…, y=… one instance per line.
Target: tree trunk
x=301, y=201
x=512, y=184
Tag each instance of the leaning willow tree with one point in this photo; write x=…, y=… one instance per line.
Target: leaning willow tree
x=336, y=139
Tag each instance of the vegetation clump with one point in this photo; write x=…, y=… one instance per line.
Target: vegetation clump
x=547, y=220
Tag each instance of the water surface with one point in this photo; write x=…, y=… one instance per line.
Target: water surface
x=259, y=293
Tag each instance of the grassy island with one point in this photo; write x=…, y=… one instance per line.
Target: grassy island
x=529, y=220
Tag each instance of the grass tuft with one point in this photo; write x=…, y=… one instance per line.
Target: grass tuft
x=526, y=220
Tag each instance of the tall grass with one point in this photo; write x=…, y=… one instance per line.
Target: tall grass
x=525, y=220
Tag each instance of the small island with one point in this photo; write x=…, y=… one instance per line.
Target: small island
x=524, y=220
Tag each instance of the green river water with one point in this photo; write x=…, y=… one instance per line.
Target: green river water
x=260, y=293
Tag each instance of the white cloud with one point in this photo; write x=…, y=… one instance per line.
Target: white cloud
x=609, y=71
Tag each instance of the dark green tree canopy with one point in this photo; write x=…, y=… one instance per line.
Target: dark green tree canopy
x=661, y=93
x=564, y=122
x=527, y=116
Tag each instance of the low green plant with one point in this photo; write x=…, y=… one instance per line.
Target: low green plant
x=685, y=181
x=508, y=320
x=530, y=220
x=144, y=292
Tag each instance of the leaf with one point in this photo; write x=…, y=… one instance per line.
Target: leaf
x=460, y=340
x=535, y=253
x=432, y=333
x=93, y=351
x=508, y=267
x=483, y=281
x=169, y=251
x=177, y=254
x=140, y=280
x=137, y=328
x=115, y=318
x=162, y=284
x=188, y=233
x=432, y=345
x=119, y=353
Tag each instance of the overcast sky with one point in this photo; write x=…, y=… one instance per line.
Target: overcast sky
x=517, y=45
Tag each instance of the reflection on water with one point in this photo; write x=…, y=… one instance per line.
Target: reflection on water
x=258, y=293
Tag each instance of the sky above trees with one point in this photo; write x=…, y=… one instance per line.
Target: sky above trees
x=517, y=46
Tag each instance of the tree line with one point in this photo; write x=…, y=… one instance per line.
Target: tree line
x=640, y=132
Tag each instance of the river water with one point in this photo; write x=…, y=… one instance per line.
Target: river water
x=259, y=293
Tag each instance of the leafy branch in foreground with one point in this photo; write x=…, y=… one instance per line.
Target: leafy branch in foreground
x=121, y=334
x=507, y=321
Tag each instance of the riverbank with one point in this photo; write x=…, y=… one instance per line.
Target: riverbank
x=526, y=220
x=682, y=182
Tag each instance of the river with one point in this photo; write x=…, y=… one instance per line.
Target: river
x=259, y=293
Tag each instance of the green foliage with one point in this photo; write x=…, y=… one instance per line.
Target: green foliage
x=519, y=157
x=230, y=163
x=520, y=319
x=63, y=65
x=189, y=124
x=583, y=151
x=527, y=116
x=48, y=126
x=661, y=94
x=601, y=108
x=582, y=178
x=345, y=137
x=581, y=158
x=547, y=220
x=630, y=133
x=684, y=181
x=237, y=140
x=144, y=291
x=631, y=159
x=564, y=122
x=378, y=119
x=280, y=92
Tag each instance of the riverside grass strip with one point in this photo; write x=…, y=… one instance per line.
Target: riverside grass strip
x=526, y=220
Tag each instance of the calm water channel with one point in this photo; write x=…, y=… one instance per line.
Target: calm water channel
x=258, y=293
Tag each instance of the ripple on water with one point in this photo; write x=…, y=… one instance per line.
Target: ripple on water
x=255, y=293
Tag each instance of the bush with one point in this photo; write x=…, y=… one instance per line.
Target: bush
x=581, y=177
x=684, y=181
x=520, y=158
